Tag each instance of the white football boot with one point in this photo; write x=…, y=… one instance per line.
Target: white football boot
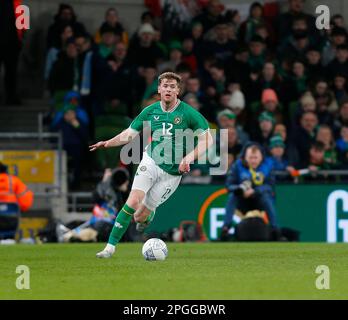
x=108, y=251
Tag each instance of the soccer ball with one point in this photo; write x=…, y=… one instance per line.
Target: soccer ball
x=155, y=249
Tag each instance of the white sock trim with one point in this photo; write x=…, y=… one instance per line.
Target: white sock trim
x=110, y=247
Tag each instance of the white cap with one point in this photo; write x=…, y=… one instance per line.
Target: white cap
x=146, y=28
x=237, y=100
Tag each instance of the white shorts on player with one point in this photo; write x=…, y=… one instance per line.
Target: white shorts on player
x=157, y=184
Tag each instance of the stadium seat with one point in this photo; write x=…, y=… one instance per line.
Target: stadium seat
x=121, y=110
x=9, y=220
x=112, y=121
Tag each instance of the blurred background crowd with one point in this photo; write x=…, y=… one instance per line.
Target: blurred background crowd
x=273, y=78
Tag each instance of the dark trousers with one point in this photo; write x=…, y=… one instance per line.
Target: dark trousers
x=260, y=201
x=9, y=61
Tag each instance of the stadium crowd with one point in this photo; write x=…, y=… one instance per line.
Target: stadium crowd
x=273, y=78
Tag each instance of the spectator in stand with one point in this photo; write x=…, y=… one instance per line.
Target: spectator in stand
x=66, y=32
x=176, y=17
x=175, y=57
x=270, y=104
x=143, y=51
x=112, y=21
x=64, y=74
x=83, y=44
x=233, y=18
x=10, y=47
x=102, y=68
x=189, y=56
x=315, y=161
x=296, y=47
x=147, y=17
x=73, y=100
x=255, y=19
x=263, y=31
x=257, y=54
x=211, y=15
x=341, y=118
x=314, y=67
x=184, y=71
x=119, y=77
x=75, y=141
x=221, y=47
x=277, y=154
x=234, y=145
x=149, y=84
x=227, y=119
x=193, y=85
x=339, y=87
x=285, y=20
x=325, y=101
x=304, y=136
x=307, y=104
x=340, y=63
x=237, y=68
x=108, y=40
x=219, y=78
x=342, y=147
x=224, y=99
x=338, y=37
x=281, y=130
x=264, y=131
x=192, y=100
x=296, y=84
x=268, y=79
x=326, y=136
x=158, y=40
x=196, y=33
x=237, y=106
x=65, y=15
x=337, y=20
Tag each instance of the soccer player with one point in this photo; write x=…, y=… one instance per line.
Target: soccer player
x=165, y=159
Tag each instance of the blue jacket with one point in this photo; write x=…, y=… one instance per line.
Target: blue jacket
x=262, y=178
x=279, y=164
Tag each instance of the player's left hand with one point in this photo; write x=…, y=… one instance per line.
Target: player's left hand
x=184, y=167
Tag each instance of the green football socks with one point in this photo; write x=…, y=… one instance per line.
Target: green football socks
x=150, y=217
x=122, y=222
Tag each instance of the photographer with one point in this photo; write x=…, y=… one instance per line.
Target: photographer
x=109, y=197
x=249, y=183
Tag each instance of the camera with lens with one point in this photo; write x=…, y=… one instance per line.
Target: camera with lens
x=244, y=186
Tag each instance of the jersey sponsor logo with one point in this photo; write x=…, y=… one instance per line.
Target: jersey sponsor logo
x=156, y=118
x=118, y=225
x=177, y=120
x=142, y=168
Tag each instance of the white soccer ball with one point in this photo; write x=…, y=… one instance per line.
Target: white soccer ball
x=155, y=249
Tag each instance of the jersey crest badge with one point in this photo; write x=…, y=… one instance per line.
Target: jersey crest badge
x=177, y=120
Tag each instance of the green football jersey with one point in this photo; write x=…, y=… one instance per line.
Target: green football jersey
x=174, y=133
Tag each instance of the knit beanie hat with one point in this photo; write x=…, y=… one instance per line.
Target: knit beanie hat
x=237, y=100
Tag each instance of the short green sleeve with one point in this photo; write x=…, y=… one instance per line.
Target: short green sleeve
x=138, y=122
x=197, y=121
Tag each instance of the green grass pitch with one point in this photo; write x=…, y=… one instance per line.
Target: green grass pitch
x=192, y=271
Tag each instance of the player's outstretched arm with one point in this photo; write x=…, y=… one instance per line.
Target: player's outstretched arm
x=123, y=138
x=204, y=142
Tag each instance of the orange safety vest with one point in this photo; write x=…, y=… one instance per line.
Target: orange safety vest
x=13, y=190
